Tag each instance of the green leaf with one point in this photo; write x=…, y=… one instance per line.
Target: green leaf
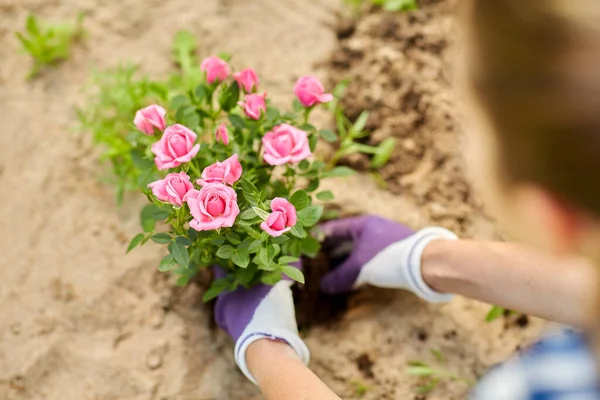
x=299, y=199
x=420, y=371
x=183, y=241
x=328, y=135
x=225, y=252
x=439, y=356
x=427, y=388
x=310, y=246
x=297, y=106
x=266, y=255
x=313, y=185
x=271, y=278
x=255, y=246
x=217, y=241
x=400, y=5
x=167, y=263
x=330, y=214
x=248, y=214
x=250, y=192
x=161, y=238
x=237, y=121
x=340, y=172
x=276, y=249
x=233, y=238
x=384, y=153
x=229, y=97
x=32, y=25
x=150, y=214
x=180, y=254
x=293, y=272
x=272, y=114
x=216, y=288
x=287, y=260
x=360, y=123
x=306, y=127
x=304, y=165
x=326, y=195
x=184, y=42
x=298, y=231
x=268, y=267
x=137, y=239
x=245, y=275
x=193, y=234
x=417, y=363
x=261, y=213
x=186, y=115
x=280, y=239
x=140, y=161
x=494, y=313
x=179, y=101
x=241, y=259
x=202, y=92
x=310, y=215
x=159, y=89
x=312, y=142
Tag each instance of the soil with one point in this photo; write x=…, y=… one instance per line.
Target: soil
x=81, y=320
x=400, y=70
x=313, y=307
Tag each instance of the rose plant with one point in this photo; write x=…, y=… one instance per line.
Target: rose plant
x=231, y=179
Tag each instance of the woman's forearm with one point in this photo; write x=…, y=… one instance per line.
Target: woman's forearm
x=512, y=277
x=281, y=375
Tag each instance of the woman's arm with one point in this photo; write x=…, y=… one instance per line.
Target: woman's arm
x=281, y=375
x=511, y=276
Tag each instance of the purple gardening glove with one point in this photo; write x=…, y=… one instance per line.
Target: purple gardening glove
x=381, y=253
x=263, y=311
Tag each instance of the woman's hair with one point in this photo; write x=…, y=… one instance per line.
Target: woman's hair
x=535, y=69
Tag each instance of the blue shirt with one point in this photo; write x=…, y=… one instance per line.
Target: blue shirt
x=559, y=367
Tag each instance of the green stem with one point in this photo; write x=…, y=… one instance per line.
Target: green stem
x=307, y=111
x=195, y=169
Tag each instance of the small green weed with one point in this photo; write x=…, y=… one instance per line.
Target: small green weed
x=349, y=132
x=388, y=5
x=432, y=375
x=360, y=388
x=47, y=43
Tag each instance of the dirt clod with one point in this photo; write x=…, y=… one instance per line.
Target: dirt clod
x=365, y=365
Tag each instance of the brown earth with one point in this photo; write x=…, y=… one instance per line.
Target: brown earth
x=80, y=320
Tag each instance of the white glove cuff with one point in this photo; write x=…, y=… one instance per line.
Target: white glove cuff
x=398, y=266
x=413, y=262
x=273, y=319
x=283, y=335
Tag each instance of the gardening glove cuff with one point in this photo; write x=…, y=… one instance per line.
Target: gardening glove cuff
x=274, y=319
x=398, y=266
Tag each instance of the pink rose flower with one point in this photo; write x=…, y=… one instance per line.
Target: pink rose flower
x=310, y=91
x=228, y=171
x=285, y=144
x=254, y=104
x=246, y=79
x=149, y=118
x=213, y=207
x=215, y=68
x=281, y=219
x=175, y=147
x=172, y=189
x=221, y=134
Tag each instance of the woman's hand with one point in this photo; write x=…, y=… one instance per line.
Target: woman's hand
x=262, y=312
x=382, y=253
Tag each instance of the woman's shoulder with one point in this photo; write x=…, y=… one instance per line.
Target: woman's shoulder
x=560, y=366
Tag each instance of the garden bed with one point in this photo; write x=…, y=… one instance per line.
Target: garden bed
x=85, y=321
